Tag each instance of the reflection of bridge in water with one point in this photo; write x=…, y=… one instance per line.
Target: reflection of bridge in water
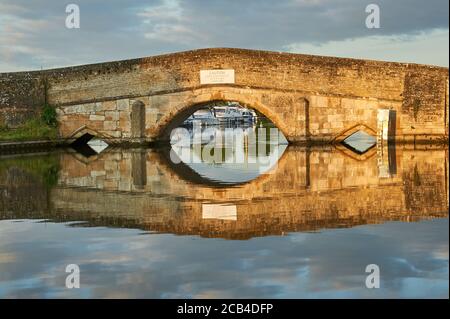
x=309, y=189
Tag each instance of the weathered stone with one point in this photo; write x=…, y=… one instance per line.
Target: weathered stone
x=111, y=165
x=111, y=116
x=96, y=118
x=109, y=106
x=115, y=134
x=137, y=119
x=123, y=105
x=124, y=122
x=110, y=125
x=85, y=108
x=293, y=90
x=97, y=173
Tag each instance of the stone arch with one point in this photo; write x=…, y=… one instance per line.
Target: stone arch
x=350, y=131
x=85, y=130
x=137, y=119
x=176, y=116
x=358, y=157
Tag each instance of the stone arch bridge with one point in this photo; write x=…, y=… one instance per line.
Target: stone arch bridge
x=309, y=98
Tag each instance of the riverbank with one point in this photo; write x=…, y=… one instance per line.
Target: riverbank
x=30, y=146
x=37, y=131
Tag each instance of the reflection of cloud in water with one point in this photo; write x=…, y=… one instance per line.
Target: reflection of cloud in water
x=123, y=263
x=229, y=156
x=234, y=172
x=311, y=190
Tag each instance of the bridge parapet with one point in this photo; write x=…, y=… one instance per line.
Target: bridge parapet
x=310, y=98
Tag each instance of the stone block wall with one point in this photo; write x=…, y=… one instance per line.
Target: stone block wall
x=22, y=96
x=301, y=117
x=108, y=119
x=275, y=203
x=340, y=92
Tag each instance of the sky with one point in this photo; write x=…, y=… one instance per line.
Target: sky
x=33, y=34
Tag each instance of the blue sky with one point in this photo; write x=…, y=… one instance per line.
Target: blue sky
x=33, y=33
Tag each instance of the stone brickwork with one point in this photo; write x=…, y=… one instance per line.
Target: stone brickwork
x=108, y=119
x=310, y=98
x=310, y=189
x=297, y=173
x=22, y=95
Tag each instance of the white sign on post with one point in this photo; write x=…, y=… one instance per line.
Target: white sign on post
x=383, y=123
x=219, y=76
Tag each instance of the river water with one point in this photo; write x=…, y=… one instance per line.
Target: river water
x=238, y=221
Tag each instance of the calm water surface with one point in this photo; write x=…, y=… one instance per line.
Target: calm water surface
x=287, y=222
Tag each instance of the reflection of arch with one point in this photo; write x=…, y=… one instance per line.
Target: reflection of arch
x=347, y=150
x=185, y=172
x=359, y=157
x=86, y=160
x=80, y=137
x=348, y=132
x=175, y=119
x=190, y=175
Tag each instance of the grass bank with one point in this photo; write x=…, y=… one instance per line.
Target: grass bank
x=43, y=167
x=42, y=127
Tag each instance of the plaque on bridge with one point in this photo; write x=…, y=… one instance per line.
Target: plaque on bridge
x=220, y=76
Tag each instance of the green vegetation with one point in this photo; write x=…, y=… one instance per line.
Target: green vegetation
x=44, y=167
x=40, y=128
x=49, y=115
x=34, y=129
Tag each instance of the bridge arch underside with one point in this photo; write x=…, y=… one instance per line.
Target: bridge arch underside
x=177, y=120
x=302, y=118
x=175, y=108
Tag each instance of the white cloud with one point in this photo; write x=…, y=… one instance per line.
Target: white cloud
x=169, y=9
x=172, y=33
x=420, y=48
x=32, y=33
x=167, y=22
x=15, y=39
